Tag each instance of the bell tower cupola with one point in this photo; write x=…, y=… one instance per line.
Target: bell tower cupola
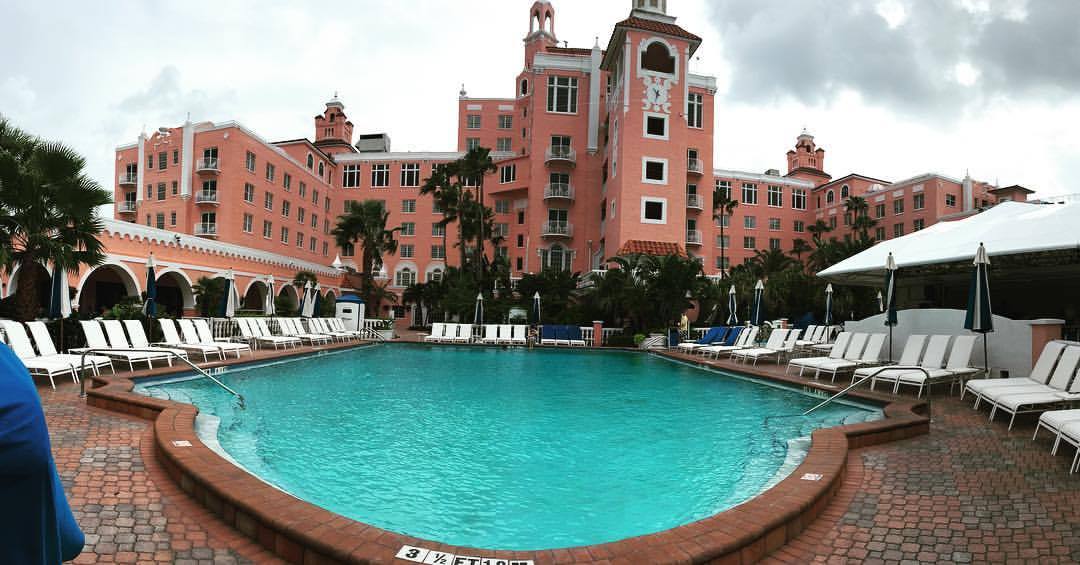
x=333, y=124
x=541, y=30
x=651, y=10
x=806, y=155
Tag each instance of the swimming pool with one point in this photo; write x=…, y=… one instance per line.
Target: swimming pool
x=509, y=449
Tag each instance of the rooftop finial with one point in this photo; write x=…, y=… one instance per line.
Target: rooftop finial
x=462, y=93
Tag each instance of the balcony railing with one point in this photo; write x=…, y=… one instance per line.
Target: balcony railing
x=693, y=237
x=560, y=153
x=557, y=229
x=126, y=178
x=206, y=197
x=207, y=164
x=206, y=229
x=695, y=166
x=694, y=201
x=559, y=190
x=127, y=206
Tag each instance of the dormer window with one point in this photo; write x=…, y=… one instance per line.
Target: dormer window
x=658, y=58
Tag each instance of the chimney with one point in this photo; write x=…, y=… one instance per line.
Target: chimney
x=969, y=193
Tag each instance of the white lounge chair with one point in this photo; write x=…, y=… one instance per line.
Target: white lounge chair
x=260, y=330
x=932, y=359
x=290, y=327
x=836, y=351
x=335, y=324
x=855, y=347
x=172, y=339
x=317, y=325
x=114, y=331
x=36, y=365
x=465, y=334
x=1070, y=433
x=490, y=335
x=870, y=356
x=910, y=356
x=957, y=367
x=772, y=346
x=746, y=339
x=505, y=333
x=95, y=340
x=1053, y=421
x=1012, y=401
x=1040, y=374
x=138, y=339
x=43, y=341
x=202, y=327
x=812, y=336
x=519, y=335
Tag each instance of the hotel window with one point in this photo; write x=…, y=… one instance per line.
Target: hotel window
x=249, y=192
x=249, y=161
x=472, y=143
x=161, y=191
x=521, y=217
x=322, y=169
x=724, y=221
x=162, y=160
x=407, y=251
x=724, y=188
x=285, y=235
x=898, y=206
x=148, y=223
x=502, y=206
x=172, y=218
x=502, y=229
x=268, y=229
x=408, y=228
x=653, y=211
x=175, y=188
x=832, y=223
x=774, y=224
x=507, y=174
x=438, y=230
x=380, y=175
x=897, y=230
x=410, y=174
x=312, y=242
x=918, y=202
x=799, y=226
x=315, y=197
x=723, y=263
x=950, y=200
x=249, y=223
x=653, y=171
x=520, y=241
x=472, y=121
x=300, y=240
x=750, y=222
x=504, y=144
x=436, y=207
x=286, y=208
x=656, y=126
x=723, y=241
x=776, y=196
x=347, y=206
x=310, y=161
x=269, y=172
x=150, y=163
x=774, y=243
x=300, y=215
x=438, y=252
x=695, y=106
x=749, y=193
x=303, y=190
x=286, y=181
x=518, y=264
x=176, y=157
x=879, y=234
x=798, y=198
x=844, y=191
x=562, y=95
x=209, y=188
x=918, y=224
x=749, y=242
x=404, y=277
x=314, y=221
x=326, y=203
x=506, y=121
x=879, y=211
x=408, y=206
x=350, y=176
x=268, y=201
x=159, y=220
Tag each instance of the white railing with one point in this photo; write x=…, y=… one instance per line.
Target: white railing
x=694, y=201
x=693, y=237
x=695, y=166
x=207, y=164
x=126, y=206
x=205, y=229
x=207, y=196
x=562, y=229
x=560, y=153
x=559, y=190
x=128, y=179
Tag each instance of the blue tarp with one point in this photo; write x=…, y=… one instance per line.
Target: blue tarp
x=36, y=525
x=350, y=299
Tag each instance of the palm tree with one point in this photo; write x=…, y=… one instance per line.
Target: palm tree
x=475, y=165
x=208, y=292
x=723, y=207
x=49, y=211
x=857, y=210
x=817, y=230
x=365, y=224
x=770, y=262
x=800, y=246
x=445, y=189
x=304, y=277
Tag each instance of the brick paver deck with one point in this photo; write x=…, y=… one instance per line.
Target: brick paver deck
x=967, y=492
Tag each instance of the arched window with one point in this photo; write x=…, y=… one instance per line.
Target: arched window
x=435, y=275
x=557, y=257
x=405, y=277
x=310, y=161
x=830, y=197
x=658, y=58
x=321, y=169
x=844, y=191
x=524, y=86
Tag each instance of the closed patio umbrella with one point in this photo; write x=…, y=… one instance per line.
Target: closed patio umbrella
x=890, y=298
x=758, y=312
x=733, y=316
x=307, y=305
x=536, y=307
x=268, y=302
x=227, y=309
x=150, y=305
x=478, y=314
x=59, y=300
x=880, y=302
x=316, y=301
x=980, y=316
x=828, y=304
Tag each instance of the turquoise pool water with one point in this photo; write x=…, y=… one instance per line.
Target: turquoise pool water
x=508, y=449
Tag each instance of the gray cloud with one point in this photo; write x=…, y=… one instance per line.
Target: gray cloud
x=811, y=50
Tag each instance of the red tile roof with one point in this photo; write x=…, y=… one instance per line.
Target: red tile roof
x=657, y=27
x=642, y=247
x=579, y=51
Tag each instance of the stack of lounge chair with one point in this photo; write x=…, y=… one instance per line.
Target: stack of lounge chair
x=712, y=336
x=738, y=338
x=46, y=362
x=781, y=342
x=850, y=352
x=569, y=336
x=1014, y=396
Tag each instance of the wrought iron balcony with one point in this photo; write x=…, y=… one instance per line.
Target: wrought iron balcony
x=694, y=201
x=560, y=153
x=207, y=165
x=127, y=179
x=206, y=229
x=693, y=237
x=559, y=190
x=127, y=206
x=695, y=166
x=207, y=197
x=557, y=229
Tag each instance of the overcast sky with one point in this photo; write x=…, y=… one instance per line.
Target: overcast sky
x=890, y=88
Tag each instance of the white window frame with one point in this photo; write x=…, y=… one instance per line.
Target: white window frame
x=798, y=196
x=472, y=121
x=663, y=202
x=774, y=189
x=507, y=174
x=380, y=172
x=410, y=174
x=645, y=126
x=695, y=110
x=644, y=166
x=350, y=176
x=572, y=94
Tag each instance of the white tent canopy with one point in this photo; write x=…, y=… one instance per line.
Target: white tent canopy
x=1009, y=228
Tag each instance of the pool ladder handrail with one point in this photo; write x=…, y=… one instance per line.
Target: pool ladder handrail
x=874, y=374
x=371, y=333
x=200, y=370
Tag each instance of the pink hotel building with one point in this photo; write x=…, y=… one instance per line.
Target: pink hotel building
x=600, y=151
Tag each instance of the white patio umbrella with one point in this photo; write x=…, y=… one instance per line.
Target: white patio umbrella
x=268, y=302
x=828, y=304
x=733, y=316
x=307, y=307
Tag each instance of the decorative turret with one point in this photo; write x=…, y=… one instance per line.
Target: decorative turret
x=806, y=155
x=541, y=30
x=333, y=125
x=650, y=10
